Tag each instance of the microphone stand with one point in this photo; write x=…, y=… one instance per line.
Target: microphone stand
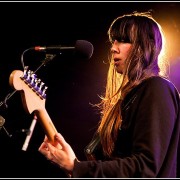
x=48, y=58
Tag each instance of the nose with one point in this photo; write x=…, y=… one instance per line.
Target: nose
x=114, y=48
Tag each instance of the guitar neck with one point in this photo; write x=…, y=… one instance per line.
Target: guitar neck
x=33, y=98
x=46, y=123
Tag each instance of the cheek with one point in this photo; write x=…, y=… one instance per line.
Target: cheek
x=126, y=49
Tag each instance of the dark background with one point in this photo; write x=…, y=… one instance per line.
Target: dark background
x=73, y=84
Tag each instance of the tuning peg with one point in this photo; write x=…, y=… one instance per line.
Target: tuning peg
x=40, y=87
x=43, y=93
x=28, y=78
x=37, y=81
x=33, y=77
x=25, y=71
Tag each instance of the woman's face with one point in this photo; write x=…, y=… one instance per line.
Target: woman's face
x=120, y=52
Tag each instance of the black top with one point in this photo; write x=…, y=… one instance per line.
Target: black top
x=148, y=138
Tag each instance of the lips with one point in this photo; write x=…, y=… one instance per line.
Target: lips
x=116, y=61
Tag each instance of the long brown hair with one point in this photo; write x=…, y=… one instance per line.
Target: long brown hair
x=146, y=37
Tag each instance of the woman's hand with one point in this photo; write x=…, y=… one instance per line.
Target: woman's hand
x=59, y=153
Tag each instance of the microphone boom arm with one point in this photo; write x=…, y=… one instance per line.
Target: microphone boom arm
x=48, y=58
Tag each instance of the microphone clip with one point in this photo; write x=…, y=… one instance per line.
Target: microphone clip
x=49, y=57
x=2, y=121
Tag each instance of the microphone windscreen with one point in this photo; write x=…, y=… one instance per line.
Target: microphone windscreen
x=84, y=49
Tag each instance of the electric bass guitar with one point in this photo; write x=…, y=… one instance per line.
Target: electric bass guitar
x=33, y=95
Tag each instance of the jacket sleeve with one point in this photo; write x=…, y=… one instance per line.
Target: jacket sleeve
x=152, y=138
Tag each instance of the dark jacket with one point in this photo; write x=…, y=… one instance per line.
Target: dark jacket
x=148, y=138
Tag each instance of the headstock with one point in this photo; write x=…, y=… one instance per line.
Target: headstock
x=32, y=89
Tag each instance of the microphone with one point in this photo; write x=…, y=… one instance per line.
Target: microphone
x=82, y=48
x=29, y=133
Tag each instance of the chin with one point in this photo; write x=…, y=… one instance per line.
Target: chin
x=119, y=71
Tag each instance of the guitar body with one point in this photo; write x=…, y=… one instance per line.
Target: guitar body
x=33, y=99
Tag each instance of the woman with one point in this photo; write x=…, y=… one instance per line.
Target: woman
x=140, y=124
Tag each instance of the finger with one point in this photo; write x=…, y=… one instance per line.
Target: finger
x=44, y=151
x=42, y=146
x=46, y=138
x=52, y=154
x=60, y=139
x=50, y=147
x=48, y=155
